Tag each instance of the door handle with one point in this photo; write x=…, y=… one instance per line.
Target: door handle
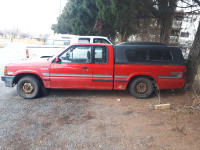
x=84, y=67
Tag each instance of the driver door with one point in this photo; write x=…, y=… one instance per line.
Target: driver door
x=73, y=69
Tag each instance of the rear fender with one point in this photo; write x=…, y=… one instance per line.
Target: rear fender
x=141, y=74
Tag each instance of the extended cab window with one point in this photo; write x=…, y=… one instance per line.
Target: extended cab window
x=80, y=54
x=160, y=55
x=99, y=40
x=137, y=55
x=100, y=55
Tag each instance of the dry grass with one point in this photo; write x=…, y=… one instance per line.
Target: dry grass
x=197, y=82
x=194, y=95
x=157, y=93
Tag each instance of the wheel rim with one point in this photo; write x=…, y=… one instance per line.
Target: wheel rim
x=142, y=88
x=27, y=88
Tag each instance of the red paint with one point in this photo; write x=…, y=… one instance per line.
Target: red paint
x=98, y=76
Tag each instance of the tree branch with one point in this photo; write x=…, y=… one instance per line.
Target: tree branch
x=197, y=1
x=186, y=2
x=187, y=6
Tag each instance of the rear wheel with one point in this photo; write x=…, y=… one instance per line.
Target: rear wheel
x=141, y=88
x=28, y=87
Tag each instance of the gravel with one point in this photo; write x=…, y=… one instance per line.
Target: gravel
x=81, y=119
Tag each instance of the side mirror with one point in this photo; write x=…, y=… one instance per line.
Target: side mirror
x=58, y=60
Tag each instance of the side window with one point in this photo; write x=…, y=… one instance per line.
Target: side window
x=80, y=54
x=160, y=55
x=100, y=55
x=62, y=42
x=137, y=55
x=99, y=40
x=84, y=40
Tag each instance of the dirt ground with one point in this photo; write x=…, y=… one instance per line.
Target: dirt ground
x=98, y=120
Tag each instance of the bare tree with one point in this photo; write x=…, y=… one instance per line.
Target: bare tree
x=44, y=37
x=193, y=59
x=13, y=32
x=194, y=55
x=1, y=33
x=164, y=10
x=24, y=35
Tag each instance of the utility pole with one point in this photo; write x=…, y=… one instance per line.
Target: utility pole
x=60, y=9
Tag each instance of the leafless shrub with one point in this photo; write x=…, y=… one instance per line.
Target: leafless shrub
x=25, y=35
x=13, y=32
x=1, y=33
x=194, y=95
x=157, y=92
x=196, y=91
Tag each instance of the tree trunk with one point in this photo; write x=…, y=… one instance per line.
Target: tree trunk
x=166, y=15
x=193, y=60
x=156, y=31
x=122, y=38
x=165, y=30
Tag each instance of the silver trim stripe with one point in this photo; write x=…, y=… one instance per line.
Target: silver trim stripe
x=45, y=74
x=69, y=75
x=121, y=76
x=76, y=75
x=177, y=76
x=169, y=77
x=44, y=69
x=103, y=76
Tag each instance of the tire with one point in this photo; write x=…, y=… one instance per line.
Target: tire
x=141, y=88
x=28, y=87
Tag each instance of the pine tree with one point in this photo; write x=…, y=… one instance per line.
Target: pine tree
x=78, y=18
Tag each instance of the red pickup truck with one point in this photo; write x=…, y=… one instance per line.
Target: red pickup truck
x=134, y=66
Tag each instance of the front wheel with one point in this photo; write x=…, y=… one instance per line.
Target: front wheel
x=141, y=88
x=28, y=87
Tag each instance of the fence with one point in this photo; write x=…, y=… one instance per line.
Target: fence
x=25, y=40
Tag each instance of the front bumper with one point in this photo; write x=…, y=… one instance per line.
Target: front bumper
x=9, y=80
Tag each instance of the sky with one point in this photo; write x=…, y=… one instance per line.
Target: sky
x=30, y=16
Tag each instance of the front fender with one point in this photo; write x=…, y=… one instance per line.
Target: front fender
x=43, y=80
x=28, y=72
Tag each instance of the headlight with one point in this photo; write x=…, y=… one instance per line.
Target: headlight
x=5, y=70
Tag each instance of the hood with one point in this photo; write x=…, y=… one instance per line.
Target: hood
x=28, y=66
